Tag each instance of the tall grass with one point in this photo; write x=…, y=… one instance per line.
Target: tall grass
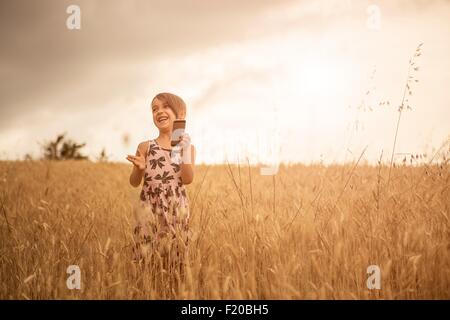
x=309, y=232
x=413, y=68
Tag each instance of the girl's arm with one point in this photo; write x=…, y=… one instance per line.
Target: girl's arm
x=187, y=167
x=139, y=166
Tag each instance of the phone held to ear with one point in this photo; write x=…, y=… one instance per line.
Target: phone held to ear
x=179, y=125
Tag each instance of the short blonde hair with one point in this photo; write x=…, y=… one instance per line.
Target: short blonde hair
x=175, y=103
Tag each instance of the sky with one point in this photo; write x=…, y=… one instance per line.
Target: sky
x=264, y=80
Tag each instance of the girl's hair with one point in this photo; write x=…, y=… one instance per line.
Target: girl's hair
x=175, y=103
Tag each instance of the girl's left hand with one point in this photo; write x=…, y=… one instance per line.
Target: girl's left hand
x=185, y=141
x=183, y=149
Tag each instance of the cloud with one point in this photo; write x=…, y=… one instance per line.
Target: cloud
x=223, y=57
x=45, y=65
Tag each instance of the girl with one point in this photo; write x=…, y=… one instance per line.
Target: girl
x=163, y=194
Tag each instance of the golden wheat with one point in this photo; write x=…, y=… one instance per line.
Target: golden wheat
x=326, y=226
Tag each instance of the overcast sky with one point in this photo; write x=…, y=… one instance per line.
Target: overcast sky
x=260, y=78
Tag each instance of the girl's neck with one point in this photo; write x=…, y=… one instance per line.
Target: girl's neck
x=164, y=139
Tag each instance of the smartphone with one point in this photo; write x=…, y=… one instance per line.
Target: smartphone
x=178, y=129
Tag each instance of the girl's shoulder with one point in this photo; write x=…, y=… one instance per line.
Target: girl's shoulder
x=143, y=146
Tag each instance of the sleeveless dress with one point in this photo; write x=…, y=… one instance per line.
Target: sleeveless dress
x=164, y=204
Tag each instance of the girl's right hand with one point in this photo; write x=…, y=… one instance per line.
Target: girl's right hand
x=138, y=161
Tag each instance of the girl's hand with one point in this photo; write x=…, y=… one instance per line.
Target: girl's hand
x=184, y=148
x=138, y=161
x=185, y=141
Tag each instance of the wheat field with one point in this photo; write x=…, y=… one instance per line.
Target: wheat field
x=309, y=232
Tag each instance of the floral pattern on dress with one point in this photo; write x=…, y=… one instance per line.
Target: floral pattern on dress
x=164, y=194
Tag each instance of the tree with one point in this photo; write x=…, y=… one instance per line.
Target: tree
x=63, y=149
x=102, y=157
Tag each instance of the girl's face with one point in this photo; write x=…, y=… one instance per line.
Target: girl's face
x=163, y=115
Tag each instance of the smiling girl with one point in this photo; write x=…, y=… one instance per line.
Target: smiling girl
x=163, y=192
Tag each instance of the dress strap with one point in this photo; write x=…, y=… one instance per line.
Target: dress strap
x=159, y=146
x=148, y=148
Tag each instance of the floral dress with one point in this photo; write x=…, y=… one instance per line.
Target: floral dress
x=164, y=204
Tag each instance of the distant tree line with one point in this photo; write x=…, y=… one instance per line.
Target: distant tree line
x=63, y=148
